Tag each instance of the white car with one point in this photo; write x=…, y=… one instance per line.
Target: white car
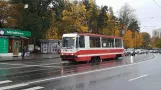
x=129, y=51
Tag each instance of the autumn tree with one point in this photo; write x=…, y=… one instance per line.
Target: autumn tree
x=137, y=40
x=157, y=43
x=102, y=20
x=9, y=14
x=58, y=6
x=146, y=39
x=77, y=17
x=4, y=12
x=73, y=19
x=128, y=41
x=92, y=15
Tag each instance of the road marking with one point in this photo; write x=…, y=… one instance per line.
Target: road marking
x=31, y=65
x=6, y=81
x=12, y=64
x=53, y=63
x=53, y=66
x=138, y=77
x=19, y=67
x=13, y=86
x=34, y=88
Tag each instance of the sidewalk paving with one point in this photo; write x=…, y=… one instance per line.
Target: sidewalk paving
x=31, y=57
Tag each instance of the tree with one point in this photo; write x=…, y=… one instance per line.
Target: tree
x=58, y=6
x=157, y=43
x=102, y=18
x=9, y=14
x=35, y=18
x=137, y=40
x=92, y=15
x=128, y=41
x=77, y=17
x=3, y=12
x=134, y=26
x=146, y=39
x=87, y=4
x=126, y=16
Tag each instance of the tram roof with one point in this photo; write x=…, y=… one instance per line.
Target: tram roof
x=89, y=34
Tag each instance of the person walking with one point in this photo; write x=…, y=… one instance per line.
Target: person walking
x=23, y=53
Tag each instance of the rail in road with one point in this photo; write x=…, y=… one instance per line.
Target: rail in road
x=27, y=75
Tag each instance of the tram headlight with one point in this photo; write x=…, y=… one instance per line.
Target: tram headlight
x=72, y=54
x=62, y=54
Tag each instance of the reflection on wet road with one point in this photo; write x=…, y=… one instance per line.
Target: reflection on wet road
x=54, y=74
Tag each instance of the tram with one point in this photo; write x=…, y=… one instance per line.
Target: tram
x=79, y=47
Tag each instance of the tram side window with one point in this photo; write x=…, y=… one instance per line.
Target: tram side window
x=118, y=43
x=81, y=42
x=107, y=42
x=95, y=42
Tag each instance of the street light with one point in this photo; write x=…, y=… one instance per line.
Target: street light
x=26, y=6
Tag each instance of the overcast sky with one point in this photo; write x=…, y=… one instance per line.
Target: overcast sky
x=145, y=10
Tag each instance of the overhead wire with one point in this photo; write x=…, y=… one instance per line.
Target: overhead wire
x=157, y=3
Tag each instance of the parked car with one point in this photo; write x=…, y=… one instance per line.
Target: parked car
x=138, y=51
x=129, y=51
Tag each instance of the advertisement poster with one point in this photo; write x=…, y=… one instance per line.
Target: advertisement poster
x=3, y=45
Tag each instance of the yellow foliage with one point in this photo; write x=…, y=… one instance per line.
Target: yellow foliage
x=132, y=39
x=52, y=34
x=76, y=16
x=137, y=40
x=128, y=41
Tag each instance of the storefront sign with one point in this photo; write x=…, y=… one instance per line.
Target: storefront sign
x=13, y=32
x=3, y=45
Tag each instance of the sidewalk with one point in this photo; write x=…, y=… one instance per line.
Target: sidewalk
x=31, y=57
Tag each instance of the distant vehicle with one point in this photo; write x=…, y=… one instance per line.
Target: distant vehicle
x=138, y=51
x=141, y=51
x=154, y=51
x=90, y=47
x=129, y=51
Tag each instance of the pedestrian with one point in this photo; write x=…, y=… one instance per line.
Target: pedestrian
x=23, y=53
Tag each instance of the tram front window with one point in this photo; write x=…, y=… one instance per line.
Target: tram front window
x=68, y=42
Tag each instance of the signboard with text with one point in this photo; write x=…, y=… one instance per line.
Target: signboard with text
x=14, y=32
x=3, y=45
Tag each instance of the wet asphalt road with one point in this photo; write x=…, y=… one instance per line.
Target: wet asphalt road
x=141, y=73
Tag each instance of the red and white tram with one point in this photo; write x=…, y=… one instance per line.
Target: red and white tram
x=90, y=47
